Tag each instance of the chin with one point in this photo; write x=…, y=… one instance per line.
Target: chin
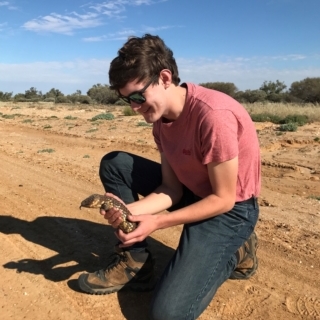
x=151, y=118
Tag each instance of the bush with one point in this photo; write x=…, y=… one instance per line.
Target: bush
x=299, y=119
x=21, y=99
x=128, y=111
x=120, y=102
x=103, y=116
x=265, y=117
x=49, y=100
x=252, y=96
x=46, y=150
x=84, y=99
x=70, y=118
x=292, y=127
x=143, y=124
x=62, y=99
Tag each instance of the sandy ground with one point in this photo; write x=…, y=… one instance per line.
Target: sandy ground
x=49, y=159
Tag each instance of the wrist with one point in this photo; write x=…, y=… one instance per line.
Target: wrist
x=162, y=220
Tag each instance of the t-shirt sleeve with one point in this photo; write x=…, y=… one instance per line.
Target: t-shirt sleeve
x=219, y=136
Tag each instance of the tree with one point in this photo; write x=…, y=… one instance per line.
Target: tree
x=307, y=90
x=274, y=90
x=33, y=94
x=102, y=94
x=5, y=96
x=77, y=97
x=273, y=87
x=252, y=96
x=228, y=88
x=54, y=93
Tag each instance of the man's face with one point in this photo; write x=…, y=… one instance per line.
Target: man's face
x=153, y=108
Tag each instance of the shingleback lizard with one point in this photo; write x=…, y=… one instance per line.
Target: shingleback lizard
x=105, y=202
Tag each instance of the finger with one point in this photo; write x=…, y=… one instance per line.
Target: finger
x=111, y=214
x=114, y=196
x=133, y=218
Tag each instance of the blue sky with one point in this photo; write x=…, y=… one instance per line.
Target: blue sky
x=68, y=45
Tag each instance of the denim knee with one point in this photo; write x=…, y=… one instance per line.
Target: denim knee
x=113, y=159
x=169, y=312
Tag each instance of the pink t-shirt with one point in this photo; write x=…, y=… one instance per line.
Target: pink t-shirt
x=213, y=127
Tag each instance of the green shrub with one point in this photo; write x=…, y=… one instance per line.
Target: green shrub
x=103, y=116
x=49, y=100
x=143, y=124
x=299, y=119
x=62, y=99
x=128, y=111
x=315, y=197
x=120, y=102
x=46, y=150
x=8, y=116
x=265, y=117
x=70, y=118
x=292, y=127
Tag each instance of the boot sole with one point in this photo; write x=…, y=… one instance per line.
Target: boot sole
x=136, y=286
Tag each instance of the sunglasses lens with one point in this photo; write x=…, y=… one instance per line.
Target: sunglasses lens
x=137, y=98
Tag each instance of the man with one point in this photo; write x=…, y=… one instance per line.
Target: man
x=208, y=181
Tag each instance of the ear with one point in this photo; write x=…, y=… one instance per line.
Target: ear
x=166, y=77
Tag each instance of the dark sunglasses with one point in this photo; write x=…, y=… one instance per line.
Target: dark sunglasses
x=137, y=96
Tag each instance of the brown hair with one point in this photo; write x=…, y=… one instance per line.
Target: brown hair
x=141, y=59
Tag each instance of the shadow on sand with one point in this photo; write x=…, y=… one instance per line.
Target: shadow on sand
x=85, y=246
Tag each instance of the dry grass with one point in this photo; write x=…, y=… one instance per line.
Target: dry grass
x=280, y=109
x=285, y=109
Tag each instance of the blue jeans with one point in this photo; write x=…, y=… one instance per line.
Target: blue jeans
x=205, y=257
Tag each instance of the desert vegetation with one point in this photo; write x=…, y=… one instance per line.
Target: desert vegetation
x=289, y=109
x=300, y=92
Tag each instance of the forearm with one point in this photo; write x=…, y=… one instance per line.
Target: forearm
x=159, y=200
x=206, y=208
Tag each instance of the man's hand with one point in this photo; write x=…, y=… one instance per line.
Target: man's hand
x=113, y=215
x=146, y=225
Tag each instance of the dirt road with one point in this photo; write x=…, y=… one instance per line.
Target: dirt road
x=49, y=159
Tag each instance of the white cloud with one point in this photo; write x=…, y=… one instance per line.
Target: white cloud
x=94, y=39
x=125, y=33
x=64, y=24
x=67, y=24
x=7, y=4
x=110, y=8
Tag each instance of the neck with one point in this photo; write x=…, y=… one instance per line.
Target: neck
x=176, y=104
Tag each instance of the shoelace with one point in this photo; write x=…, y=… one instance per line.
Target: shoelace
x=115, y=259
